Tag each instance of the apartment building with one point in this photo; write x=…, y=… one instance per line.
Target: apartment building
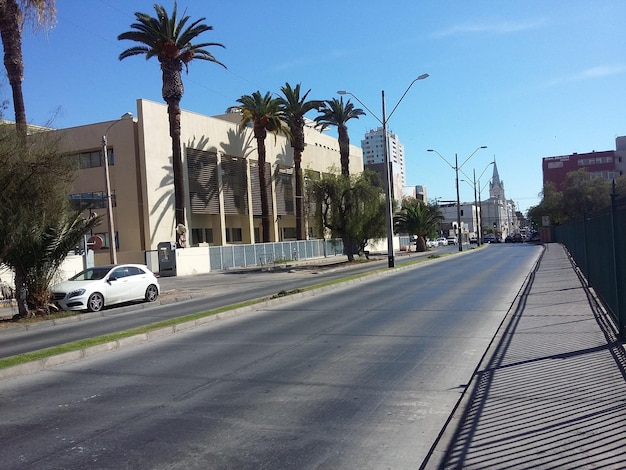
x=220, y=172
x=607, y=164
x=373, y=157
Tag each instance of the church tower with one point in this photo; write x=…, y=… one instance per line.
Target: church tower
x=496, y=187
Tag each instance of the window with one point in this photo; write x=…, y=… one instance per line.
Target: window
x=95, y=200
x=233, y=235
x=135, y=271
x=93, y=159
x=120, y=273
x=201, y=235
x=289, y=233
x=105, y=240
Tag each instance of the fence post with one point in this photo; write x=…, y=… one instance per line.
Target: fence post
x=585, y=247
x=616, y=271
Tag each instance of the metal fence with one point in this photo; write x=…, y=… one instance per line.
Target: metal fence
x=268, y=254
x=597, y=243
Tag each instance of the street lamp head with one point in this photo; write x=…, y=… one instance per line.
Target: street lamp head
x=342, y=92
x=423, y=76
x=483, y=147
x=430, y=150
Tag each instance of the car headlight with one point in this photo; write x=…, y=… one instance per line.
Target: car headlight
x=76, y=293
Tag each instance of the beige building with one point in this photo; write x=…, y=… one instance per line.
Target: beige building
x=221, y=179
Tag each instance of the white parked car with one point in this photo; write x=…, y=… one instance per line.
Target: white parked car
x=100, y=286
x=442, y=241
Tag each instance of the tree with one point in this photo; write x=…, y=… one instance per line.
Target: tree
x=335, y=113
x=294, y=107
x=620, y=186
x=417, y=218
x=584, y=193
x=265, y=115
x=352, y=208
x=13, y=14
x=171, y=42
x=41, y=247
x=551, y=206
x=38, y=228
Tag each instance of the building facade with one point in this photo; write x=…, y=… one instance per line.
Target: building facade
x=221, y=179
x=607, y=164
x=372, y=147
x=498, y=212
x=495, y=213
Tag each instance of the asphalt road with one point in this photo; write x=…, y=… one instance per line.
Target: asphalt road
x=362, y=376
x=182, y=296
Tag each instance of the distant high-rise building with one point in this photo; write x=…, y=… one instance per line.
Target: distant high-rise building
x=418, y=192
x=373, y=156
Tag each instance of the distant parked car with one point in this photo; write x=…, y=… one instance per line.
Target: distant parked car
x=100, y=286
x=517, y=238
x=441, y=241
x=490, y=238
x=473, y=240
x=452, y=240
x=431, y=243
x=508, y=239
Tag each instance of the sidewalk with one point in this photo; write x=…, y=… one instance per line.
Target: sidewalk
x=550, y=391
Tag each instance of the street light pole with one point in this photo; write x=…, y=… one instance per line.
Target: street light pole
x=476, y=231
x=109, y=196
x=456, y=169
x=480, y=203
x=387, y=163
x=458, y=205
x=388, y=196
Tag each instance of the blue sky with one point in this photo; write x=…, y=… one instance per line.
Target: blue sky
x=527, y=78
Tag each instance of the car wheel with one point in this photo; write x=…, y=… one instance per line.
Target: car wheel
x=95, y=302
x=151, y=293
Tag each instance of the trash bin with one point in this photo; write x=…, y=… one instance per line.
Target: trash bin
x=167, y=258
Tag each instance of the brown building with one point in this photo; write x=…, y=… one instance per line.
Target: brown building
x=607, y=164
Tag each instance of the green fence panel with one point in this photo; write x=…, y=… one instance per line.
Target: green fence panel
x=597, y=243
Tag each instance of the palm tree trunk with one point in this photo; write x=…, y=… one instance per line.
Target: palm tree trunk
x=12, y=42
x=420, y=244
x=173, y=110
x=297, y=164
x=20, y=293
x=344, y=149
x=260, y=134
x=172, y=93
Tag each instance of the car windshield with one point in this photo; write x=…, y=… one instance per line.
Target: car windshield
x=91, y=274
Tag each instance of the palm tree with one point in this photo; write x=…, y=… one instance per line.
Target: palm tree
x=335, y=113
x=170, y=41
x=264, y=114
x=294, y=107
x=39, y=252
x=13, y=13
x=419, y=219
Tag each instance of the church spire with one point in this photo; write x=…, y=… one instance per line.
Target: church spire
x=495, y=178
x=496, y=187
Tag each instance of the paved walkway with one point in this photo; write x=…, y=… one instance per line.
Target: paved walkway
x=551, y=390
